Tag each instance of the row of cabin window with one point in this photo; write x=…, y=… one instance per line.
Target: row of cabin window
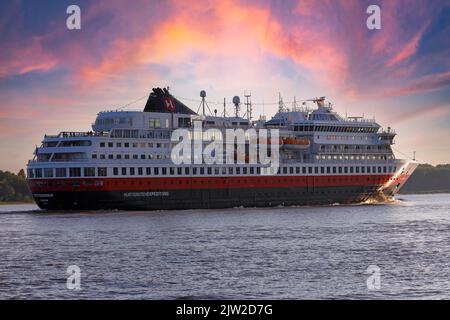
x=186, y=171
x=102, y=172
x=344, y=138
x=252, y=170
x=334, y=129
x=62, y=172
x=339, y=147
x=134, y=144
x=352, y=157
x=166, y=156
x=143, y=134
x=127, y=156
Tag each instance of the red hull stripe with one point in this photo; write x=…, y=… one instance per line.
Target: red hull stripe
x=153, y=183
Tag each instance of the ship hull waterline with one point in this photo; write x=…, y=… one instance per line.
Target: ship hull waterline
x=202, y=199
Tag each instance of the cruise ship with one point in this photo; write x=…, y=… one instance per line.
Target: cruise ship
x=126, y=161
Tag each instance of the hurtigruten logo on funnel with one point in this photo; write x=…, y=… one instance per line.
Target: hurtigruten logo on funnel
x=229, y=146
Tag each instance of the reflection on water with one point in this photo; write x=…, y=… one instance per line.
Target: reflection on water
x=292, y=252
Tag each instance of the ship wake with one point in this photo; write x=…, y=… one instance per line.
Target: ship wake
x=381, y=198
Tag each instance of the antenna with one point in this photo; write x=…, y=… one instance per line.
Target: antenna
x=280, y=103
x=203, y=96
x=414, y=155
x=203, y=103
x=263, y=111
x=236, y=102
x=224, y=106
x=248, y=105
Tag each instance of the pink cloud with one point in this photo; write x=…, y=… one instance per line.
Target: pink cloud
x=26, y=56
x=219, y=30
x=424, y=84
x=409, y=49
x=224, y=31
x=425, y=111
x=327, y=39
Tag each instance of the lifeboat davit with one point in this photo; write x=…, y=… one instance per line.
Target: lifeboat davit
x=294, y=143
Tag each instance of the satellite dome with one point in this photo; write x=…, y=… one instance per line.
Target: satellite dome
x=203, y=93
x=236, y=100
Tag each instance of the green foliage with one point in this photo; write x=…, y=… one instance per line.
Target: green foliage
x=13, y=187
x=428, y=179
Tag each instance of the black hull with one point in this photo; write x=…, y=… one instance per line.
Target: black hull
x=202, y=198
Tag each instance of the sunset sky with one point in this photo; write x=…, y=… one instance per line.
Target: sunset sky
x=53, y=79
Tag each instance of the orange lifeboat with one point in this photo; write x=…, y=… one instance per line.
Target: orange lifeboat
x=268, y=141
x=294, y=143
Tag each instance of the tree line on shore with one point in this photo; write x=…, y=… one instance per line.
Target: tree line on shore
x=429, y=179
x=426, y=179
x=13, y=187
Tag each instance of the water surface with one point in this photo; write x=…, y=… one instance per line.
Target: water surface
x=270, y=253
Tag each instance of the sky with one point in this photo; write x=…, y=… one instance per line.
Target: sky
x=54, y=79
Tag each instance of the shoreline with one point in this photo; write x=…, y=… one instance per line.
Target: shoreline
x=5, y=203
x=424, y=192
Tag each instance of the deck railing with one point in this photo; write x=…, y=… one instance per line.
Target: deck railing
x=70, y=134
